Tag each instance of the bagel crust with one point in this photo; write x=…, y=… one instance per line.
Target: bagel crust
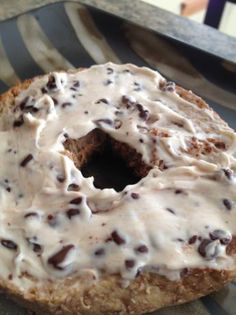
x=67, y=247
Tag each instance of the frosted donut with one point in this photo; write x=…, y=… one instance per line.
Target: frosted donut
x=67, y=247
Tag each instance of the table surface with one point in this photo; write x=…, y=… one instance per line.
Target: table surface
x=152, y=17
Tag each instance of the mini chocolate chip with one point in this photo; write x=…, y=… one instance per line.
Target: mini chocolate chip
x=117, y=238
x=110, y=70
x=8, y=189
x=224, y=236
x=9, y=244
x=73, y=187
x=102, y=100
x=208, y=249
x=178, y=191
x=99, y=252
x=36, y=247
x=170, y=210
x=10, y=277
x=18, y=122
x=44, y=90
x=129, y=263
x=61, y=178
x=51, y=84
x=26, y=160
x=144, y=114
x=108, y=82
x=99, y=122
x=24, y=102
x=66, y=104
x=141, y=140
x=76, y=84
x=86, y=112
x=60, y=256
x=192, y=239
x=228, y=173
x=137, y=87
x=55, y=101
x=72, y=212
x=142, y=249
x=117, y=123
x=126, y=71
x=227, y=203
x=135, y=195
x=220, y=145
x=31, y=214
x=76, y=201
x=180, y=240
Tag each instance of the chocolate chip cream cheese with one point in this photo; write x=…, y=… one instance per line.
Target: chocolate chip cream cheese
x=54, y=223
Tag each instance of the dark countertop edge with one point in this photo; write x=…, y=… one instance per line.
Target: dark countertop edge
x=170, y=25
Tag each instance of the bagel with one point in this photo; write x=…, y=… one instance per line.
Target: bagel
x=68, y=247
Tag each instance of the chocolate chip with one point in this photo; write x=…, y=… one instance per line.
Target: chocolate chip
x=24, y=102
x=135, y=195
x=166, y=86
x=227, y=203
x=99, y=252
x=52, y=220
x=51, y=84
x=18, y=122
x=76, y=201
x=110, y=70
x=117, y=238
x=228, y=173
x=178, y=191
x=209, y=249
x=220, y=145
x=137, y=87
x=72, y=212
x=224, y=236
x=102, y=100
x=37, y=248
x=170, y=210
x=60, y=256
x=8, y=189
x=76, y=84
x=9, y=244
x=143, y=113
x=73, y=187
x=117, y=123
x=10, y=277
x=108, y=82
x=141, y=140
x=31, y=214
x=192, y=239
x=66, y=104
x=129, y=263
x=141, y=249
x=44, y=90
x=127, y=101
x=61, y=178
x=26, y=160
x=99, y=122
x=55, y=101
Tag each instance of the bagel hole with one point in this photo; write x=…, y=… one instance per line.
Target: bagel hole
x=113, y=164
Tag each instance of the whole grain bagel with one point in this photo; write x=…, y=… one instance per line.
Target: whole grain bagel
x=67, y=247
